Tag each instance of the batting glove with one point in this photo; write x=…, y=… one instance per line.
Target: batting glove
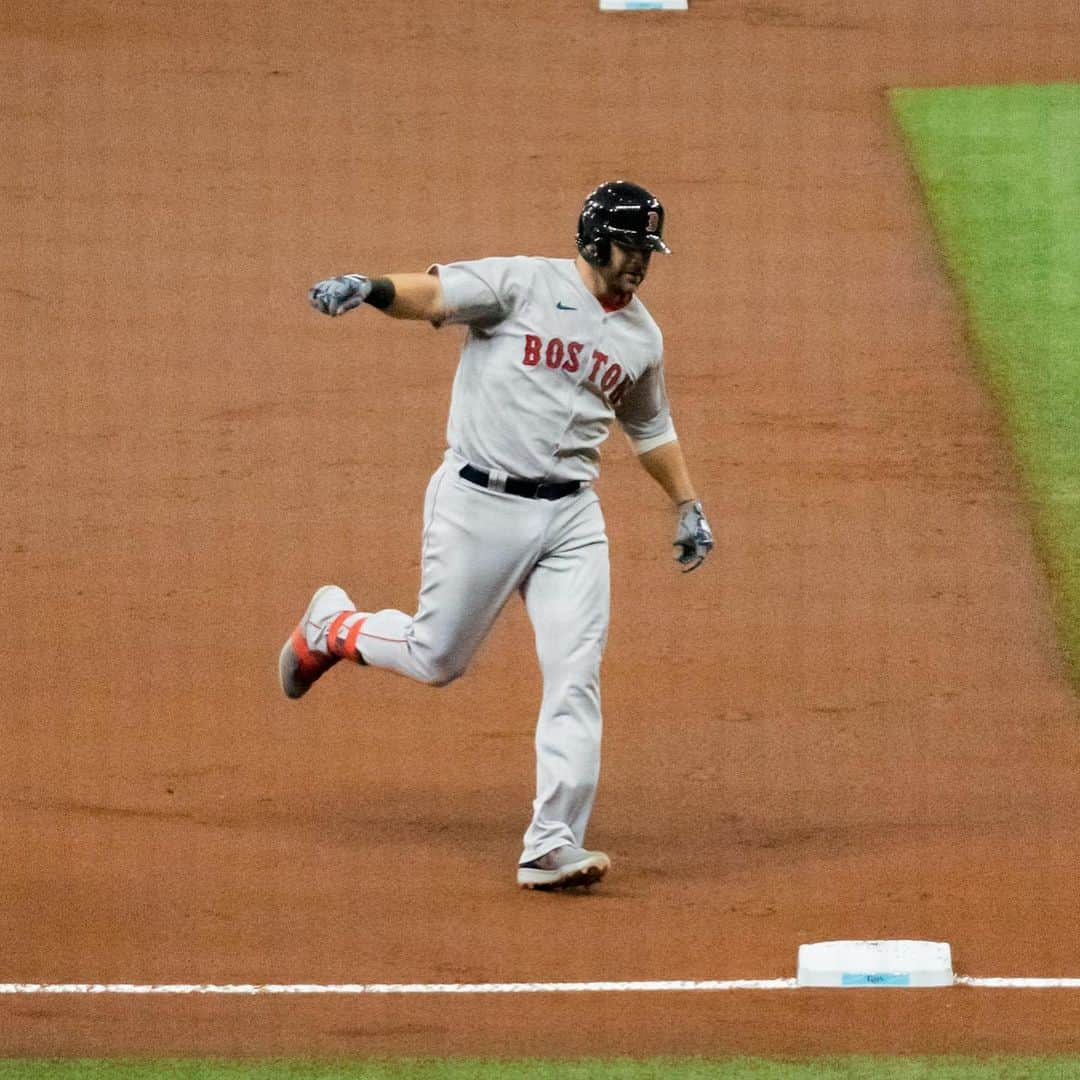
x=337, y=295
x=693, y=537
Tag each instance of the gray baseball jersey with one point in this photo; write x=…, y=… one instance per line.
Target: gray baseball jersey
x=546, y=368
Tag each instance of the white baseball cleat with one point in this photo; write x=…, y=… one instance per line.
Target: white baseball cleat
x=306, y=655
x=563, y=868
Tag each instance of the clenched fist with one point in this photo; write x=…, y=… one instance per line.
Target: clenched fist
x=337, y=295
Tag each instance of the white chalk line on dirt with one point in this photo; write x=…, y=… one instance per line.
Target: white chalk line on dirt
x=391, y=988
x=264, y=989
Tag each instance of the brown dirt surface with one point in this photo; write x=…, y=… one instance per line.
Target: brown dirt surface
x=854, y=722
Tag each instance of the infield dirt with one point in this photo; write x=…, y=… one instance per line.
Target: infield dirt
x=853, y=722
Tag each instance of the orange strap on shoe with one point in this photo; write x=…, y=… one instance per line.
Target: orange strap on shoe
x=350, y=640
x=332, y=646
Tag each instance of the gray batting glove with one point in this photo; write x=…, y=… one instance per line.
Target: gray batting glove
x=337, y=295
x=693, y=537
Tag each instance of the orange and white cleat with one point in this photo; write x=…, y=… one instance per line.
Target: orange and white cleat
x=316, y=644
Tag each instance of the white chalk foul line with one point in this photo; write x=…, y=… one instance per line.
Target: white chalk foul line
x=262, y=989
x=1020, y=984
x=252, y=989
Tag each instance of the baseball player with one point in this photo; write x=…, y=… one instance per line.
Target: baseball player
x=555, y=350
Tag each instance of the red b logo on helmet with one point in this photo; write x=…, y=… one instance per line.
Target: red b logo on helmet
x=653, y=222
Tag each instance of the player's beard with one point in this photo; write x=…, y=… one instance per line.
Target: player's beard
x=629, y=276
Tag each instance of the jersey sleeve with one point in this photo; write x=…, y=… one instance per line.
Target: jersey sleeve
x=478, y=293
x=644, y=413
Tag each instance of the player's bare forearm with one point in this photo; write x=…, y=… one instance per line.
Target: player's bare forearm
x=693, y=537
x=667, y=466
x=402, y=296
x=417, y=296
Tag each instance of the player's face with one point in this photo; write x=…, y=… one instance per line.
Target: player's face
x=627, y=269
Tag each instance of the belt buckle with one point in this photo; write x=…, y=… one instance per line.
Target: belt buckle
x=496, y=480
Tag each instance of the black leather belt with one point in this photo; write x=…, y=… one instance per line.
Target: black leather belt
x=527, y=489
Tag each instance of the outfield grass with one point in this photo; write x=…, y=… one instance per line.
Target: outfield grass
x=1000, y=167
x=862, y=1068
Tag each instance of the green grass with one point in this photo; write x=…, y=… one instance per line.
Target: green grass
x=861, y=1068
x=1000, y=167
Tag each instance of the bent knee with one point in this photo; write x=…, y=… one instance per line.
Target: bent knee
x=442, y=671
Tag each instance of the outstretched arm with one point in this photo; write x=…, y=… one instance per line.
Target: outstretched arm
x=402, y=296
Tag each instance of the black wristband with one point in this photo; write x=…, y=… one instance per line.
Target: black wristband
x=382, y=293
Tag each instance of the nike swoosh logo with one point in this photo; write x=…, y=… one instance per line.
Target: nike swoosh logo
x=564, y=307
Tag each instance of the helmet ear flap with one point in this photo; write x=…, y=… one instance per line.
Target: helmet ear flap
x=596, y=249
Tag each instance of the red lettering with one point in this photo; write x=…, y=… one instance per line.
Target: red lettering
x=601, y=359
x=611, y=376
x=620, y=390
x=554, y=353
x=573, y=357
x=532, y=350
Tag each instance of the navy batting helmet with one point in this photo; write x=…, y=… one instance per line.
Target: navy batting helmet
x=622, y=213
